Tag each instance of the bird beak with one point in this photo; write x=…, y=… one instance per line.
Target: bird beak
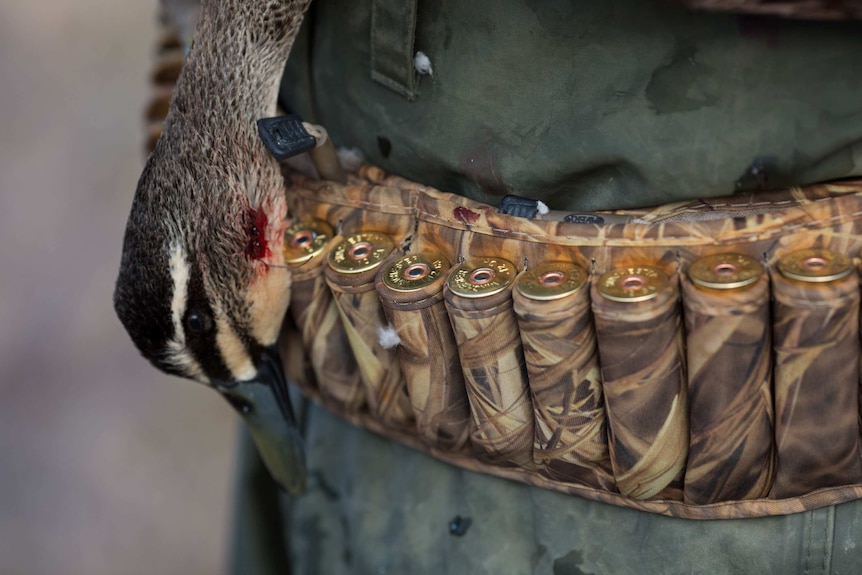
x=264, y=405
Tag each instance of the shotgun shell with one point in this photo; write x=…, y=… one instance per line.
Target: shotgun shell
x=725, y=271
x=815, y=266
x=481, y=277
x=815, y=329
x=632, y=283
x=414, y=271
x=552, y=280
x=728, y=341
x=360, y=252
x=304, y=240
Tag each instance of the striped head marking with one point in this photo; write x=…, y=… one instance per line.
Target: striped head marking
x=202, y=288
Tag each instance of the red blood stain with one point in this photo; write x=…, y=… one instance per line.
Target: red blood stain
x=257, y=247
x=465, y=215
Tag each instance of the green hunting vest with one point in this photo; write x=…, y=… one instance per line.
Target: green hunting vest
x=595, y=104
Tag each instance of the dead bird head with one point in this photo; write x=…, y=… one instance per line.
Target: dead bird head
x=203, y=288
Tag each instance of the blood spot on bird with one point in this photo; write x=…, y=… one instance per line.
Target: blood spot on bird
x=257, y=247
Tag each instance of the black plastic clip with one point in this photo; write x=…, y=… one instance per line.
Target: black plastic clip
x=512, y=205
x=284, y=136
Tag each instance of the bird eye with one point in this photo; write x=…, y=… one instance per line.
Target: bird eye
x=197, y=322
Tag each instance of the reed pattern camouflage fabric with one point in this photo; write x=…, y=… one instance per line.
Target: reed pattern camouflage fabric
x=728, y=334
x=429, y=359
x=571, y=438
x=641, y=357
x=362, y=317
x=663, y=405
x=323, y=336
x=492, y=358
x=816, y=385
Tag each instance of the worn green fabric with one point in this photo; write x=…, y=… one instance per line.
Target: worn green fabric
x=591, y=104
x=375, y=507
x=393, y=31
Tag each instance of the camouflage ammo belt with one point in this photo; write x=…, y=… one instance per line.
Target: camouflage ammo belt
x=613, y=361
x=640, y=388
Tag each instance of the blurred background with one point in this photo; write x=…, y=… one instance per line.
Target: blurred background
x=106, y=466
